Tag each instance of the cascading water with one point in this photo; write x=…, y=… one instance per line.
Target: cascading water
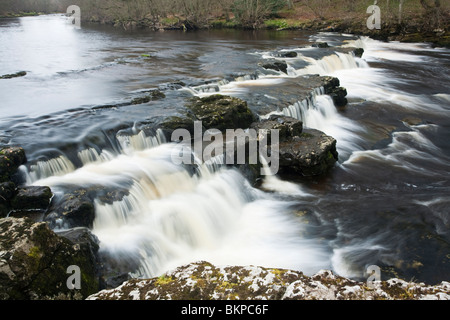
x=385, y=203
x=172, y=216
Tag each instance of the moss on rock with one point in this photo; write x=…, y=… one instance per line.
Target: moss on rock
x=34, y=262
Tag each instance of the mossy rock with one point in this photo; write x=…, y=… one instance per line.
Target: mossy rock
x=11, y=158
x=34, y=262
x=221, y=112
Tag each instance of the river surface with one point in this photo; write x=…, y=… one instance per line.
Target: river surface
x=385, y=203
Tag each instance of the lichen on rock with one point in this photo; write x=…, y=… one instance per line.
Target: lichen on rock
x=34, y=262
x=204, y=281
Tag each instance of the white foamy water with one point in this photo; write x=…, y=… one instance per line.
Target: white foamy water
x=170, y=217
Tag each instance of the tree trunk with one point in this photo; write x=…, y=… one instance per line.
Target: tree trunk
x=400, y=9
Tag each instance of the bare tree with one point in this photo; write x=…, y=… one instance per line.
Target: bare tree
x=432, y=12
x=400, y=11
x=251, y=13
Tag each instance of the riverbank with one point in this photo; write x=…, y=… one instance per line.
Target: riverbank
x=412, y=24
x=19, y=14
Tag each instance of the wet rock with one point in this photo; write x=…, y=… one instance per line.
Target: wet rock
x=214, y=112
x=311, y=153
x=307, y=152
x=73, y=209
x=152, y=96
x=221, y=112
x=321, y=45
x=32, y=198
x=204, y=281
x=11, y=158
x=175, y=122
x=329, y=83
x=276, y=65
x=339, y=96
x=34, y=262
x=358, y=52
x=14, y=75
x=287, y=127
x=288, y=54
x=7, y=192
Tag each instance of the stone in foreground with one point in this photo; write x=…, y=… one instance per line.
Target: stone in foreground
x=204, y=281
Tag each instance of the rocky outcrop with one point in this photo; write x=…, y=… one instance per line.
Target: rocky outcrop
x=34, y=262
x=204, y=281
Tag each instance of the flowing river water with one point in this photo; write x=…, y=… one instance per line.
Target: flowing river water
x=385, y=203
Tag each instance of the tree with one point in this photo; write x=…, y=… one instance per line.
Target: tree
x=251, y=13
x=400, y=10
x=433, y=13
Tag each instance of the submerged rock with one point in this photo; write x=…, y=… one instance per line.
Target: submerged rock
x=34, y=263
x=204, y=281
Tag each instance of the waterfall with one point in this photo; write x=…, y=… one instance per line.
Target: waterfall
x=140, y=141
x=91, y=155
x=53, y=167
x=319, y=112
x=172, y=215
x=330, y=64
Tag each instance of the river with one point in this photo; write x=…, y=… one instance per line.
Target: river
x=385, y=203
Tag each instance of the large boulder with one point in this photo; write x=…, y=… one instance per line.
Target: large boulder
x=204, y=281
x=311, y=153
x=34, y=263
